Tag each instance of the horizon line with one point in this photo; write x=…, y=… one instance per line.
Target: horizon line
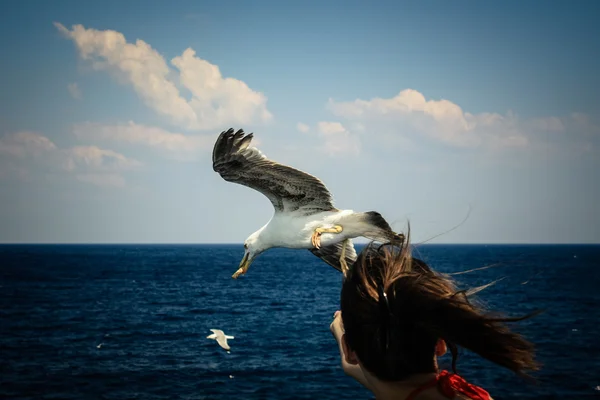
x=241, y=243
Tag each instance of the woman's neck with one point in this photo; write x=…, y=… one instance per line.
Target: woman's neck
x=398, y=390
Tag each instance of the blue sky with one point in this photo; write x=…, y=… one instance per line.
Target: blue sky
x=420, y=110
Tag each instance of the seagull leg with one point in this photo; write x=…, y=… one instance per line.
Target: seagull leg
x=343, y=263
x=316, y=236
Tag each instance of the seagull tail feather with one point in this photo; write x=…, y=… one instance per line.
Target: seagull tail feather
x=378, y=228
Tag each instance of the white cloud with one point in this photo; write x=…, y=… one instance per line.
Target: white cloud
x=331, y=128
x=585, y=124
x=28, y=150
x=25, y=144
x=302, y=127
x=216, y=101
x=410, y=112
x=580, y=119
x=74, y=90
x=551, y=124
x=337, y=139
x=441, y=120
x=177, y=145
x=92, y=157
x=115, y=180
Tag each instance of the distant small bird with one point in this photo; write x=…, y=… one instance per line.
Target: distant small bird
x=100, y=345
x=220, y=337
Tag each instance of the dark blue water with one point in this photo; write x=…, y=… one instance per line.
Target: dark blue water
x=152, y=307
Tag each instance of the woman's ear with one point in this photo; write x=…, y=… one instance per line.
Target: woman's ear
x=349, y=355
x=440, y=348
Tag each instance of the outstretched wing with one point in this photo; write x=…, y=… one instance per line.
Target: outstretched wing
x=223, y=342
x=287, y=188
x=331, y=254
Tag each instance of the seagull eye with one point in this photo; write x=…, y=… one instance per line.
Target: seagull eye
x=245, y=246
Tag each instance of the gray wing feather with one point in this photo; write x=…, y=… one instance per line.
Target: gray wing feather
x=331, y=254
x=287, y=188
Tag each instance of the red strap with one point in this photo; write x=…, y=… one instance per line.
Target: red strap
x=451, y=384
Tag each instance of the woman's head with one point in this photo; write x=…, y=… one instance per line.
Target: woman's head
x=396, y=312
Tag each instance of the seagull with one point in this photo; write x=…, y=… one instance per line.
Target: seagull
x=220, y=337
x=304, y=215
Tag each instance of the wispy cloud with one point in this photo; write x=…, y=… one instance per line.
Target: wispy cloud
x=446, y=122
x=216, y=101
x=74, y=91
x=95, y=158
x=302, y=127
x=440, y=120
x=25, y=144
x=115, y=180
x=173, y=145
x=337, y=139
x=24, y=152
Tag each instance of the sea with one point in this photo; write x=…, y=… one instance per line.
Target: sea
x=131, y=321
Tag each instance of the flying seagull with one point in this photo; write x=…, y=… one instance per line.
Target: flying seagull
x=305, y=217
x=220, y=337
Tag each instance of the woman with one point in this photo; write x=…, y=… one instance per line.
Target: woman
x=397, y=316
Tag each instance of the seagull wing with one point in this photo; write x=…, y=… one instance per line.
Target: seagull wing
x=288, y=189
x=331, y=254
x=223, y=342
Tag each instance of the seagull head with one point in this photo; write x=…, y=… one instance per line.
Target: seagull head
x=252, y=248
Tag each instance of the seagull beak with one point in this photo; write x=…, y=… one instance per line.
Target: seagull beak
x=244, y=265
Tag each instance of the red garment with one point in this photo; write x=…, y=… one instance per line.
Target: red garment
x=450, y=385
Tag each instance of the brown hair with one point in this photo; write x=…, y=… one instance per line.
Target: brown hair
x=395, y=308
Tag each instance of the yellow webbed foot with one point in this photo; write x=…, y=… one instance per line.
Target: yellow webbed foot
x=316, y=236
